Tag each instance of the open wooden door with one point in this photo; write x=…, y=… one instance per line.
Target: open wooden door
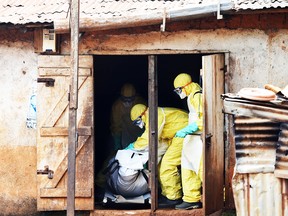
x=52, y=133
x=213, y=87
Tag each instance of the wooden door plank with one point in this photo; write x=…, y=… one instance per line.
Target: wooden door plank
x=63, y=131
x=60, y=107
x=63, y=166
x=63, y=71
x=62, y=192
x=60, y=61
x=213, y=87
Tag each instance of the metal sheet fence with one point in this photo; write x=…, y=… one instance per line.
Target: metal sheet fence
x=256, y=141
x=261, y=145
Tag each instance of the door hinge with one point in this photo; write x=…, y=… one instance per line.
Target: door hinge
x=224, y=69
x=208, y=139
x=46, y=171
x=49, y=82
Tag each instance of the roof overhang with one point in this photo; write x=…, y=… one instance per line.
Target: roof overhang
x=160, y=17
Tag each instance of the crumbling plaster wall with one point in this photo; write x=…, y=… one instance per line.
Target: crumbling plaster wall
x=256, y=57
x=18, y=64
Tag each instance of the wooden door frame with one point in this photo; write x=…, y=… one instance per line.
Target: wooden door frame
x=213, y=136
x=207, y=209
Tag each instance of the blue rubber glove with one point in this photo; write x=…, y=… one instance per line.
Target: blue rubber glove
x=189, y=129
x=130, y=146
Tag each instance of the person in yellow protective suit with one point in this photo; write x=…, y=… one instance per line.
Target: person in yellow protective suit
x=170, y=120
x=191, y=160
x=122, y=128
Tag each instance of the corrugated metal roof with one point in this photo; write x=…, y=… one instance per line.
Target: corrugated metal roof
x=40, y=11
x=259, y=4
x=33, y=11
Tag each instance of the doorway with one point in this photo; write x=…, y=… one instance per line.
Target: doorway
x=111, y=72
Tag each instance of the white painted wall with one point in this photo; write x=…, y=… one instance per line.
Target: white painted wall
x=18, y=64
x=18, y=190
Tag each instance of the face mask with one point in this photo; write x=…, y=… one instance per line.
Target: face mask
x=139, y=122
x=182, y=95
x=180, y=92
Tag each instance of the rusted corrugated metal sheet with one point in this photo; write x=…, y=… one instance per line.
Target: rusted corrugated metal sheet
x=255, y=141
x=256, y=188
x=260, y=134
x=260, y=194
x=276, y=111
x=281, y=167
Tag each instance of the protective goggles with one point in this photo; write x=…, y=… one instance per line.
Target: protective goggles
x=138, y=121
x=178, y=90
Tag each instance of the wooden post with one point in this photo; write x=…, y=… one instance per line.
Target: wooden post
x=153, y=130
x=73, y=105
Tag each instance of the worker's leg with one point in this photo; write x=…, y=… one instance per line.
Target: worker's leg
x=192, y=183
x=169, y=176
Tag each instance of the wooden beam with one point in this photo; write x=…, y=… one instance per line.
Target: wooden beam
x=38, y=40
x=73, y=105
x=153, y=130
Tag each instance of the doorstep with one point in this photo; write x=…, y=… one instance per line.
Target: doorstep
x=147, y=212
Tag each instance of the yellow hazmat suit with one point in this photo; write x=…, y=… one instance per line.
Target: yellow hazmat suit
x=170, y=120
x=191, y=180
x=122, y=128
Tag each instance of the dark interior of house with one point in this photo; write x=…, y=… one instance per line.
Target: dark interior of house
x=111, y=72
